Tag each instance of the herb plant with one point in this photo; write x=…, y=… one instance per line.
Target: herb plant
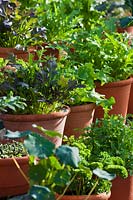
x=112, y=135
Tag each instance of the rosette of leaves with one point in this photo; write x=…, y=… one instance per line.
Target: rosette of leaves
x=12, y=149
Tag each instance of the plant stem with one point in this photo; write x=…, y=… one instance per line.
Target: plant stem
x=91, y=190
x=66, y=187
x=20, y=170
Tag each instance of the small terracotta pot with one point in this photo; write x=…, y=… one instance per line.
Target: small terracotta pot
x=53, y=121
x=102, y=196
x=120, y=90
x=12, y=181
x=79, y=118
x=122, y=189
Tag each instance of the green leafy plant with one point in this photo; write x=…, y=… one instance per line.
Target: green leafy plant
x=11, y=102
x=112, y=135
x=18, y=27
x=101, y=52
x=47, y=85
x=57, y=170
x=36, y=81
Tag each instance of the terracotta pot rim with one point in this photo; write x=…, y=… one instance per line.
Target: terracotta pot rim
x=35, y=117
x=22, y=159
x=103, y=196
x=83, y=108
x=12, y=49
x=116, y=83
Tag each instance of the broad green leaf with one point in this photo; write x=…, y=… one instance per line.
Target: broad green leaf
x=16, y=134
x=62, y=177
x=40, y=193
x=68, y=155
x=39, y=146
x=104, y=174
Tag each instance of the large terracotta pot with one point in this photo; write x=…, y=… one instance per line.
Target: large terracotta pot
x=120, y=90
x=5, y=52
x=79, y=118
x=12, y=181
x=130, y=104
x=122, y=189
x=102, y=196
x=53, y=121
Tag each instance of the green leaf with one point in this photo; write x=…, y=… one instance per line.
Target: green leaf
x=62, y=177
x=47, y=132
x=68, y=155
x=41, y=193
x=39, y=146
x=16, y=134
x=104, y=174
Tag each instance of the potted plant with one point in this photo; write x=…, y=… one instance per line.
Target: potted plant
x=37, y=83
x=83, y=99
x=54, y=173
x=14, y=166
x=110, y=68
x=112, y=135
x=19, y=30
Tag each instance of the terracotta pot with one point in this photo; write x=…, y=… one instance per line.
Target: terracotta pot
x=102, y=196
x=5, y=52
x=130, y=104
x=128, y=29
x=12, y=181
x=122, y=189
x=79, y=118
x=53, y=121
x=120, y=90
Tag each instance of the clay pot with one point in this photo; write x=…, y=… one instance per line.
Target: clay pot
x=128, y=29
x=12, y=181
x=122, y=189
x=102, y=196
x=5, y=52
x=53, y=121
x=79, y=118
x=120, y=90
x=130, y=104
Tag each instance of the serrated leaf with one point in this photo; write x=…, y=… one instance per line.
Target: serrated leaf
x=68, y=155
